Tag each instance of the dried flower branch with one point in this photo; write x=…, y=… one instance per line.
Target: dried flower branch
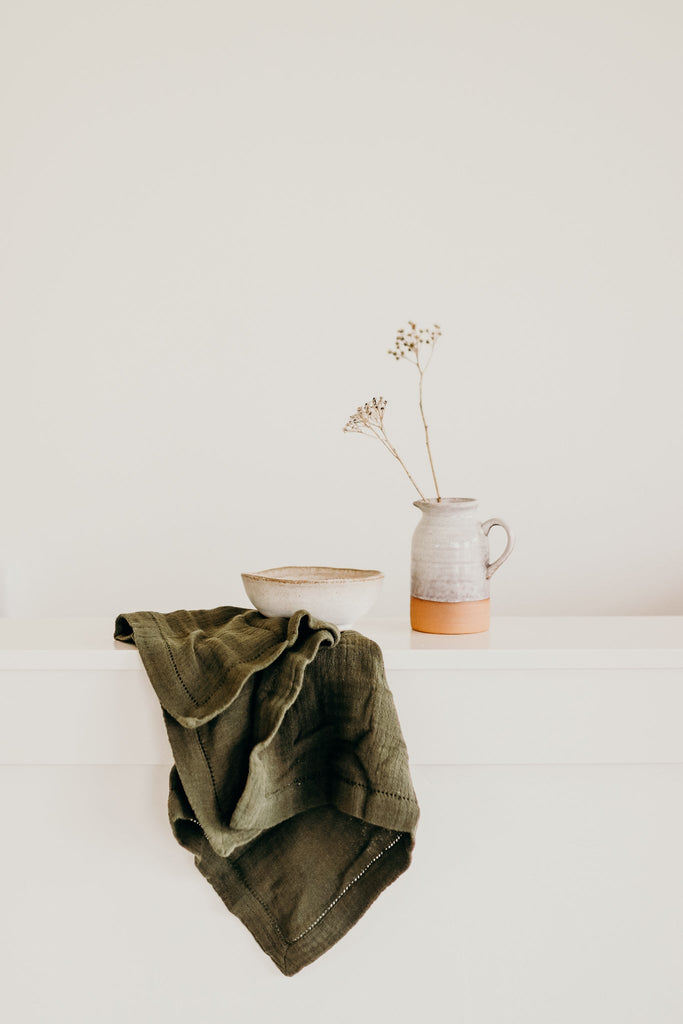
x=368, y=419
x=410, y=346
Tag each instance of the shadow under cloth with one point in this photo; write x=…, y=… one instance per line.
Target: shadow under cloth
x=291, y=783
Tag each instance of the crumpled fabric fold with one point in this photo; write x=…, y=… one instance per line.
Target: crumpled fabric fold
x=291, y=782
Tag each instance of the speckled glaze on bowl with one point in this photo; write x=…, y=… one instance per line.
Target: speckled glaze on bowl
x=339, y=596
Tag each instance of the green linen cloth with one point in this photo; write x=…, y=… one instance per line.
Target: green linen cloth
x=291, y=783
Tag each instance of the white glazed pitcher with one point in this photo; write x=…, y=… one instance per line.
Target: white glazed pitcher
x=450, y=567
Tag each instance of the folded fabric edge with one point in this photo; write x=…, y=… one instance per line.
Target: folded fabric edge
x=279, y=636
x=291, y=955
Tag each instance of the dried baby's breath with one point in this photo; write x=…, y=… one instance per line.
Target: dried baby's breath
x=411, y=344
x=368, y=419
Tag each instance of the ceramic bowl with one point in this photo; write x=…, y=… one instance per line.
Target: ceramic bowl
x=339, y=596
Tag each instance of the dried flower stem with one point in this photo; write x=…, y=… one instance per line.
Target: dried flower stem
x=408, y=346
x=369, y=421
x=426, y=428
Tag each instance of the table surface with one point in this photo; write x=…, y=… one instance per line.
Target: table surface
x=596, y=641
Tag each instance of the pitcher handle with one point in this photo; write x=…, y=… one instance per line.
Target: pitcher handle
x=492, y=566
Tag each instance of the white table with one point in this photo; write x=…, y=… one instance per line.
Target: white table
x=546, y=886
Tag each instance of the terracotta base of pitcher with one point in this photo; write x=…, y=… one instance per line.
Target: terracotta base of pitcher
x=448, y=617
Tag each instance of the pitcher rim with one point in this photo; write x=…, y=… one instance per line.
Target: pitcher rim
x=446, y=503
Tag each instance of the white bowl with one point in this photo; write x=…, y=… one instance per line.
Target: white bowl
x=339, y=596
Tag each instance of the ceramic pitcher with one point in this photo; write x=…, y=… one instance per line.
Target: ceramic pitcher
x=450, y=567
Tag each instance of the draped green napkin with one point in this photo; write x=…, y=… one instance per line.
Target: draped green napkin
x=291, y=784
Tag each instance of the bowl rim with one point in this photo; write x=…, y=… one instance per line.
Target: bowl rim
x=343, y=575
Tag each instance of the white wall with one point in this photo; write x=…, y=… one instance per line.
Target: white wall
x=215, y=216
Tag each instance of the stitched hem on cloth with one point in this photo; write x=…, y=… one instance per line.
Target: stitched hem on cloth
x=333, y=922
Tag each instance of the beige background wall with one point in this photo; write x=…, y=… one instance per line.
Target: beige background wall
x=215, y=216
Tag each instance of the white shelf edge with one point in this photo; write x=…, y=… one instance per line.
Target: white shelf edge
x=87, y=645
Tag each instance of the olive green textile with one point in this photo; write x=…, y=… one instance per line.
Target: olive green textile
x=291, y=783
